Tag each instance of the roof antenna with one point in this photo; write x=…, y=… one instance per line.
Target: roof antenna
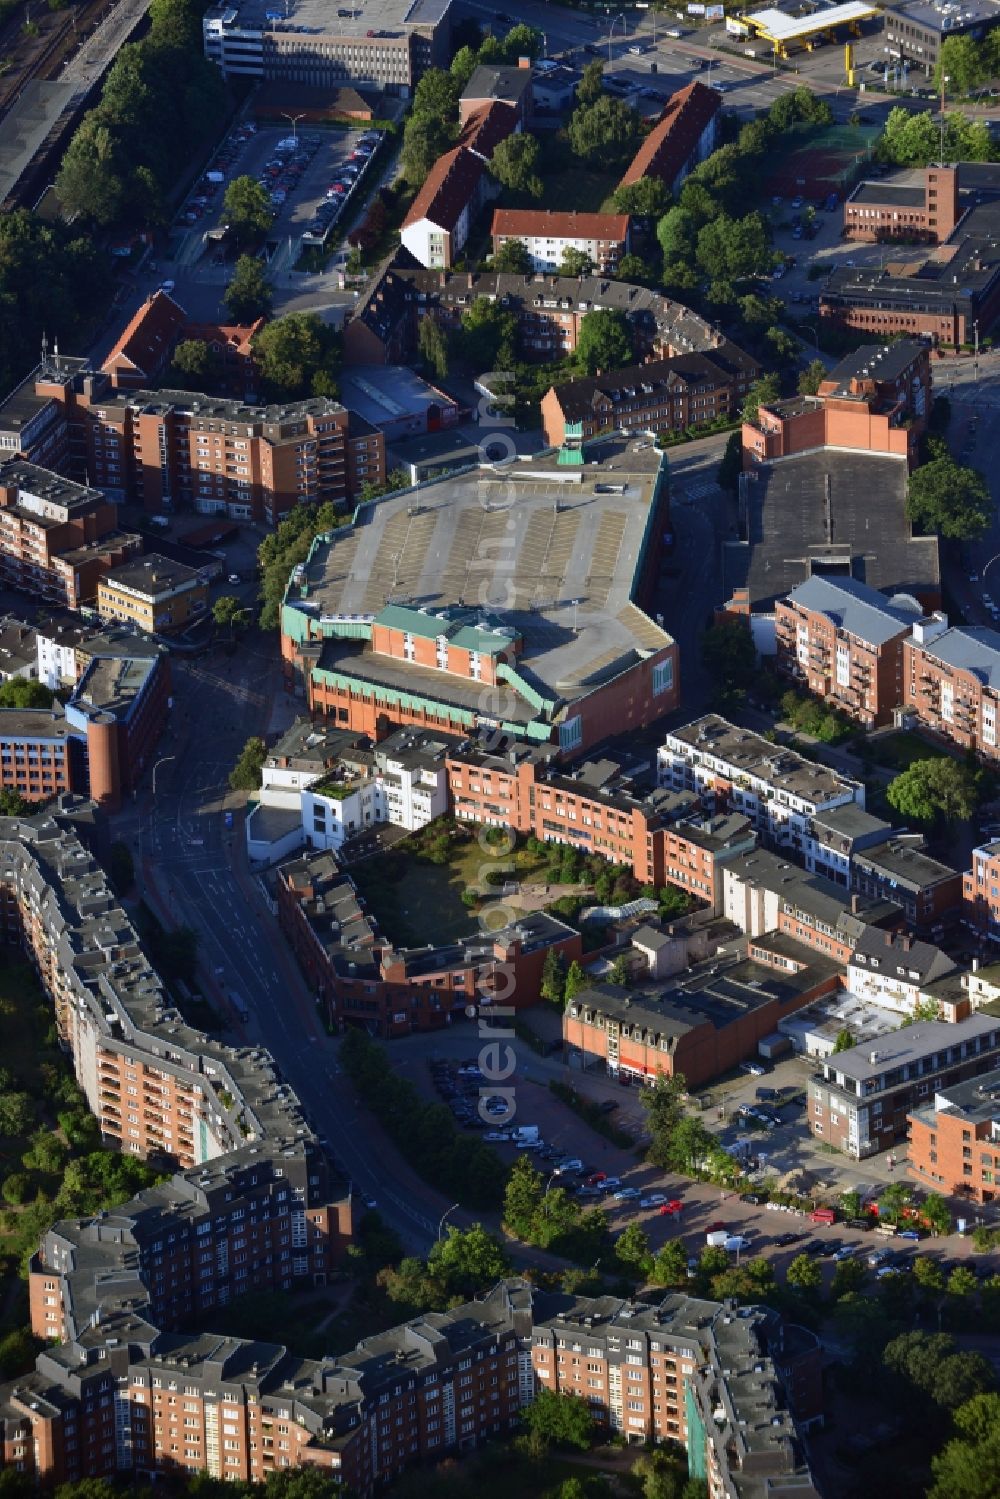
x=45, y=349
x=55, y=351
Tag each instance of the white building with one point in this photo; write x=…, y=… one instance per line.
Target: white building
x=895, y=971
x=402, y=781
x=547, y=234
x=778, y=790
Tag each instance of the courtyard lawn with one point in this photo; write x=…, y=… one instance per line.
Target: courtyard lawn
x=899, y=751
x=415, y=891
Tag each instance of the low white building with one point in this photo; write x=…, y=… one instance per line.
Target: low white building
x=895, y=971
x=402, y=781
x=547, y=234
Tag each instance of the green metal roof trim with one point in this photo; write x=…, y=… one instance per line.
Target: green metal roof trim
x=295, y=623
x=536, y=729
x=399, y=617
x=459, y=627
x=530, y=694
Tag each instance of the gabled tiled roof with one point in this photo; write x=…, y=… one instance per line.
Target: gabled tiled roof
x=668, y=146
x=579, y=398
x=147, y=342
x=532, y=223
x=450, y=187
x=487, y=126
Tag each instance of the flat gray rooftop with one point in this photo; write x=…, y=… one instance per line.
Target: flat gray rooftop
x=550, y=552
x=397, y=16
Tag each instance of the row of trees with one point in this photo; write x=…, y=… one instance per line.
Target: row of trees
x=550, y=1218
x=463, y=1264
x=424, y=1133
x=161, y=100
x=914, y=140
x=678, y=1140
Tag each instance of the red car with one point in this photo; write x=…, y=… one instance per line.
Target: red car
x=671, y=1207
x=597, y=1178
x=715, y=1228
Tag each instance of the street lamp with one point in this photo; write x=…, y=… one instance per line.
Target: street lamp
x=611, y=31
x=445, y=1215
x=293, y=120
x=156, y=767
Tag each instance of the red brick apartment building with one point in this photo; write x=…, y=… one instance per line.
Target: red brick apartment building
x=920, y=205
x=119, y=709
x=951, y=683
x=664, y=837
x=664, y=395
x=981, y=890
x=876, y=400
x=384, y=322
x=684, y=135
x=843, y=641
x=361, y=979
x=701, y=1023
x=178, y=449
x=58, y=539
x=899, y=869
x=438, y=1385
x=954, y=1142
x=547, y=234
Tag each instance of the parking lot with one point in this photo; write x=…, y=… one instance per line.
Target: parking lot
x=310, y=177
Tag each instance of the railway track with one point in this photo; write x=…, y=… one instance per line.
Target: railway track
x=46, y=60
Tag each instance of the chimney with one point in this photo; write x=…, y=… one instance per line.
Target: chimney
x=888, y=939
x=855, y=903
x=907, y=941
x=873, y=1057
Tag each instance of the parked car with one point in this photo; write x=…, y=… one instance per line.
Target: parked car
x=754, y=1067
x=845, y=1252
x=785, y=1239
x=755, y=1198
x=572, y=1164
x=879, y=1257
x=653, y=1200
x=626, y=1194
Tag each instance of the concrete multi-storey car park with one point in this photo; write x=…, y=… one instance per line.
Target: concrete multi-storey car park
x=384, y=44
x=524, y=612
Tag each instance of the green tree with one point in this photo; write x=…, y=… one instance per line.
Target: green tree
x=731, y=465
x=850, y=1204
x=576, y=980
x=248, y=295
x=812, y=377
x=432, y=341
x=562, y=1420
x=553, y=985
x=761, y=393
x=512, y=256
x=844, y=1041
x=488, y=335
x=522, y=1197
x=649, y=198
x=514, y=164
x=670, y=1264
x=963, y=62
x=936, y=1213
x=436, y=95
x=91, y=177
x=969, y=1466
x=17, y=1113
x=735, y=248
x=620, y=973
x=604, y=342
x=226, y=611
x=463, y=65
x=195, y=365
x=729, y=654
x=909, y=140
x=575, y=263
x=246, y=208
x=425, y=138
x=18, y=1351
x=677, y=232
x=805, y=1275
x=521, y=40
x=297, y=354
x=848, y=1278
x=468, y=1260
x=929, y=789
x=45, y=1152
x=892, y=1200
x=928, y=1276
x=663, y=1102
x=635, y=270
x=605, y=132
x=23, y=692
x=246, y=773
x=945, y=497
x=632, y=1249
x=591, y=88
x=16, y=1188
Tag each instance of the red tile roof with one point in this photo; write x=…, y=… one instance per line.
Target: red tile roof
x=487, y=126
x=669, y=146
x=529, y=223
x=148, y=341
x=452, y=184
